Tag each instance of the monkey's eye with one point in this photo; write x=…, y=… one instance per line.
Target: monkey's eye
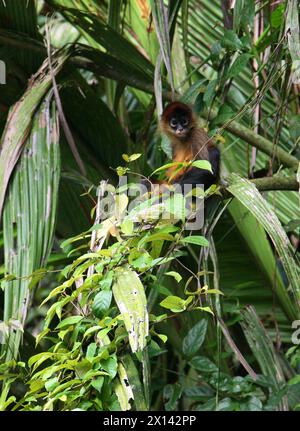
x=173, y=122
x=184, y=122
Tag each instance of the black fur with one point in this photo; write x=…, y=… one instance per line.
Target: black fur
x=196, y=176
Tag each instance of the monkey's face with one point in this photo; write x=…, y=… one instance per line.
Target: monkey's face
x=180, y=124
x=177, y=120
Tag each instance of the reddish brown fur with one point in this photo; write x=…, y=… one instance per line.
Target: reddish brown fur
x=193, y=146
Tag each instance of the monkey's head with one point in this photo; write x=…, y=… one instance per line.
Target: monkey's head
x=177, y=120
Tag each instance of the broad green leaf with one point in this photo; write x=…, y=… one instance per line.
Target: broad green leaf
x=98, y=383
x=202, y=164
x=194, y=338
x=110, y=365
x=20, y=120
x=170, y=165
x=172, y=393
x=195, y=239
x=123, y=393
x=51, y=384
x=101, y=302
x=30, y=208
x=174, y=303
x=261, y=250
x=263, y=349
x=72, y=320
x=131, y=300
x=294, y=380
x=176, y=275
x=210, y=92
x=131, y=158
x=100, y=34
x=250, y=197
x=203, y=364
x=160, y=236
x=132, y=376
x=277, y=16
x=39, y=358
x=127, y=227
x=90, y=351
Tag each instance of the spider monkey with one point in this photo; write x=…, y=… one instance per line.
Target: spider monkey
x=189, y=142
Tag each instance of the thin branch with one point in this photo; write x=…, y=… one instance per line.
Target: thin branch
x=277, y=182
x=235, y=349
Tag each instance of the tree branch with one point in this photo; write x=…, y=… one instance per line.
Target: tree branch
x=275, y=183
x=257, y=141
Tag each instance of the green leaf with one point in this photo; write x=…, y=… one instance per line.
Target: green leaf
x=69, y=321
x=261, y=248
x=131, y=158
x=160, y=236
x=99, y=34
x=170, y=165
x=210, y=92
x=82, y=368
x=174, y=303
x=203, y=364
x=195, y=239
x=238, y=65
x=163, y=337
x=250, y=197
x=175, y=274
x=39, y=358
x=166, y=146
x=202, y=164
x=51, y=384
x=131, y=374
x=20, y=119
x=101, y=303
x=98, y=383
x=90, y=351
x=127, y=227
x=194, y=338
x=294, y=127
x=230, y=41
x=131, y=300
x=110, y=365
x=32, y=192
x=140, y=260
x=263, y=349
x=277, y=16
x=91, y=330
x=172, y=393
x=206, y=309
x=294, y=380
